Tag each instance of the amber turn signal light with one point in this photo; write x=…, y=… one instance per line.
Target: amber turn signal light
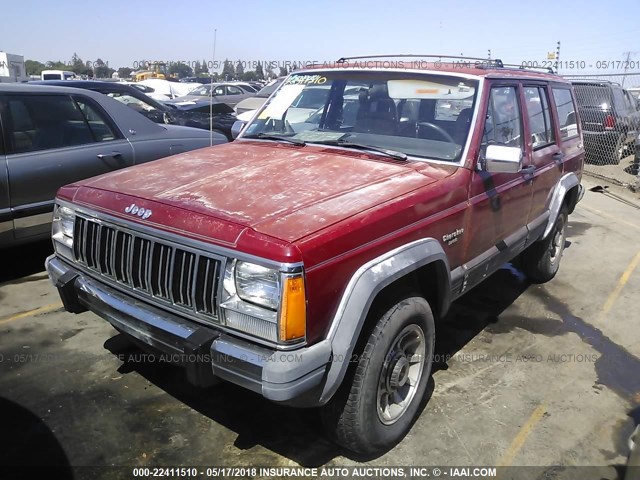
x=293, y=312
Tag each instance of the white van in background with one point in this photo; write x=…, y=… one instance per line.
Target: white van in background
x=57, y=75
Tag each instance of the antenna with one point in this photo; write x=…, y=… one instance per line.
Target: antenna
x=213, y=60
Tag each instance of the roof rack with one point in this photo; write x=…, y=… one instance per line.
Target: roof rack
x=513, y=66
x=413, y=55
x=482, y=62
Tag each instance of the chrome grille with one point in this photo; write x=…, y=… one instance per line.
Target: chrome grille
x=183, y=278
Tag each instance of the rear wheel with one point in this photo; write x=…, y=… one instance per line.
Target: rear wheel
x=540, y=262
x=378, y=402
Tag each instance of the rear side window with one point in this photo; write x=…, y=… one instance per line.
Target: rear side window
x=619, y=102
x=566, y=112
x=539, y=116
x=631, y=104
x=44, y=122
x=96, y=121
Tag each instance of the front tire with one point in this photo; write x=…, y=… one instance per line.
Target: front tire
x=378, y=402
x=541, y=261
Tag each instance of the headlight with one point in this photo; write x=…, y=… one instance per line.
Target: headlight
x=264, y=302
x=64, y=220
x=258, y=284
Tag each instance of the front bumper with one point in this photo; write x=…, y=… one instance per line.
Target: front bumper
x=293, y=377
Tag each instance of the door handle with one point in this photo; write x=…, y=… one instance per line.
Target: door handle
x=102, y=156
x=558, y=157
x=528, y=170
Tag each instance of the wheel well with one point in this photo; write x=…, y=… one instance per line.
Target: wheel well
x=571, y=199
x=429, y=281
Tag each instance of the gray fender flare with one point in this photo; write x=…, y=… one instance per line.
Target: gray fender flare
x=362, y=289
x=564, y=185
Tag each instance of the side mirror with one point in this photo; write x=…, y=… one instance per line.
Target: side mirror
x=501, y=159
x=236, y=128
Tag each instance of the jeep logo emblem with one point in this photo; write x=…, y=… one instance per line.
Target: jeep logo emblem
x=143, y=213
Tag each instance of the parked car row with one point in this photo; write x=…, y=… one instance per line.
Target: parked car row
x=53, y=136
x=217, y=116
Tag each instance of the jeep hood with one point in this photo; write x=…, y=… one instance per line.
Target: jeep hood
x=284, y=191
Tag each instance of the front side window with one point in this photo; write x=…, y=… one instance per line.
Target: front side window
x=539, y=116
x=43, y=122
x=503, y=124
x=386, y=110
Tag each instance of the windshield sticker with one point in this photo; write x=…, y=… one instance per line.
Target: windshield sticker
x=428, y=90
x=312, y=136
x=281, y=102
x=306, y=80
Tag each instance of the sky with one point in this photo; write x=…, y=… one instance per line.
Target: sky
x=124, y=33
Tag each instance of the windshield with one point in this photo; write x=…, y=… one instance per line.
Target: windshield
x=420, y=115
x=592, y=95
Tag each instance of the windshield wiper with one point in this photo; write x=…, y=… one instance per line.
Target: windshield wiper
x=269, y=136
x=362, y=146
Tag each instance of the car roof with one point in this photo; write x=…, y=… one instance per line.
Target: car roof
x=83, y=84
x=97, y=85
x=44, y=87
x=596, y=82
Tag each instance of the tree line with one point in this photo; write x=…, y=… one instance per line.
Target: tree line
x=101, y=69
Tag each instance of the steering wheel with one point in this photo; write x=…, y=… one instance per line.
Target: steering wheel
x=441, y=131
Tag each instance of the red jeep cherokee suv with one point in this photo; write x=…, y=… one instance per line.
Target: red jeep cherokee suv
x=307, y=260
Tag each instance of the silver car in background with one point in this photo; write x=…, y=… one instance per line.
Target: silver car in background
x=53, y=136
